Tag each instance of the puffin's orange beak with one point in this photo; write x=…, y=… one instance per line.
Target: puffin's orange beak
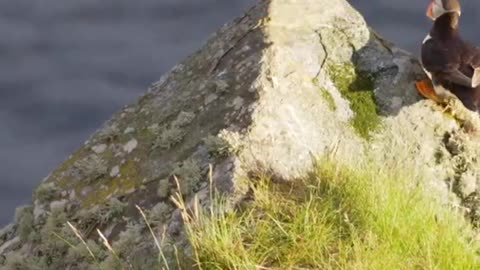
x=430, y=10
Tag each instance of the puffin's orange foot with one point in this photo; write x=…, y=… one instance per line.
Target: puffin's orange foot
x=425, y=88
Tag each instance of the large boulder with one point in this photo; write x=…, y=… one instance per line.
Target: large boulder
x=288, y=81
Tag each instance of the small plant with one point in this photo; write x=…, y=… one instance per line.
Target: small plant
x=111, y=262
x=92, y=166
x=183, y=119
x=80, y=253
x=216, y=146
x=189, y=175
x=169, y=137
x=25, y=219
x=16, y=261
x=127, y=239
x=45, y=192
x=234, y=140
x=173, y=134
x=57, y=218
x=89, y=218
x=159, y=213
x=50, y=244
x=115, y=208
x=163, y=188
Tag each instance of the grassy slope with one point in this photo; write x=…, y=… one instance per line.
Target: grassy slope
x=338, y=218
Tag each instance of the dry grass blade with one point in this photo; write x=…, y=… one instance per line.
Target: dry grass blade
x=105, y=242
x=79, y=236
x=157, y=243
x=108, y=246
x=64, y=240
x=149, y=228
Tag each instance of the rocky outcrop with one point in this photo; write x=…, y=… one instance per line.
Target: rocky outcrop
x=288, y=81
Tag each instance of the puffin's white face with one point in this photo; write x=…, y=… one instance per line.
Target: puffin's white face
x=437, y=8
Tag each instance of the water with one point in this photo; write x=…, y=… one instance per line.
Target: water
x=66, y=66
x=404, y=21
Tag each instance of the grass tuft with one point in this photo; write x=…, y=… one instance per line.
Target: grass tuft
x=46, y=192
x=337, y=218
x=25, y=219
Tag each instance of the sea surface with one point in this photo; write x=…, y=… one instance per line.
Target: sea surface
x=66, y=66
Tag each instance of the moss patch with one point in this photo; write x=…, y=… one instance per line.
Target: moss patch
x=128, y=180
x=59, y=174
x=327, y=97
x=357, y=88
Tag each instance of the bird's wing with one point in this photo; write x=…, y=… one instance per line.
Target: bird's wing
x=457, y=77
x=438, y=60
x=473, y=60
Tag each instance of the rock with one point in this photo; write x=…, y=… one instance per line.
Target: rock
x=98, y=149
x=58, y=205
x=6, y=233
x=38, y=211
x=163, y=188
x=115, y=171
x=288, y=81
x=9, y=245
x=130, y=146
x=129, y=130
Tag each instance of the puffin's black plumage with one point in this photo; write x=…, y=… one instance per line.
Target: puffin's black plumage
x=450, y=62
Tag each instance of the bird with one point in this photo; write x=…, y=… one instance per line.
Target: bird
x=452, y=64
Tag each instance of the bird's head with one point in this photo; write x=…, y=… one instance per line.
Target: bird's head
x=439, y=7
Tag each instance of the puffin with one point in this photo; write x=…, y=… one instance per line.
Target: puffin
x=452, y=64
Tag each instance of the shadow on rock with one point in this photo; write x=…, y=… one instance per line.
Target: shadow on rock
x=393, y=72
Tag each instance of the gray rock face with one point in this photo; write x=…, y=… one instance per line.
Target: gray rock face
x=288, y=81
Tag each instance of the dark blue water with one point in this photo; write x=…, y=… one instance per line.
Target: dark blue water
x=66, y=66
x=405, y=23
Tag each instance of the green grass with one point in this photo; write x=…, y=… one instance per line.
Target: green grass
x=337, y=218
x=357, y=88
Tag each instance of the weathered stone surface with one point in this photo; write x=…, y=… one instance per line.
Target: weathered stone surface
x=288, y=81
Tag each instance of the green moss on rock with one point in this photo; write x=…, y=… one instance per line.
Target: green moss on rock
x=327, y=97
x=116, y=186
x=357, y=87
